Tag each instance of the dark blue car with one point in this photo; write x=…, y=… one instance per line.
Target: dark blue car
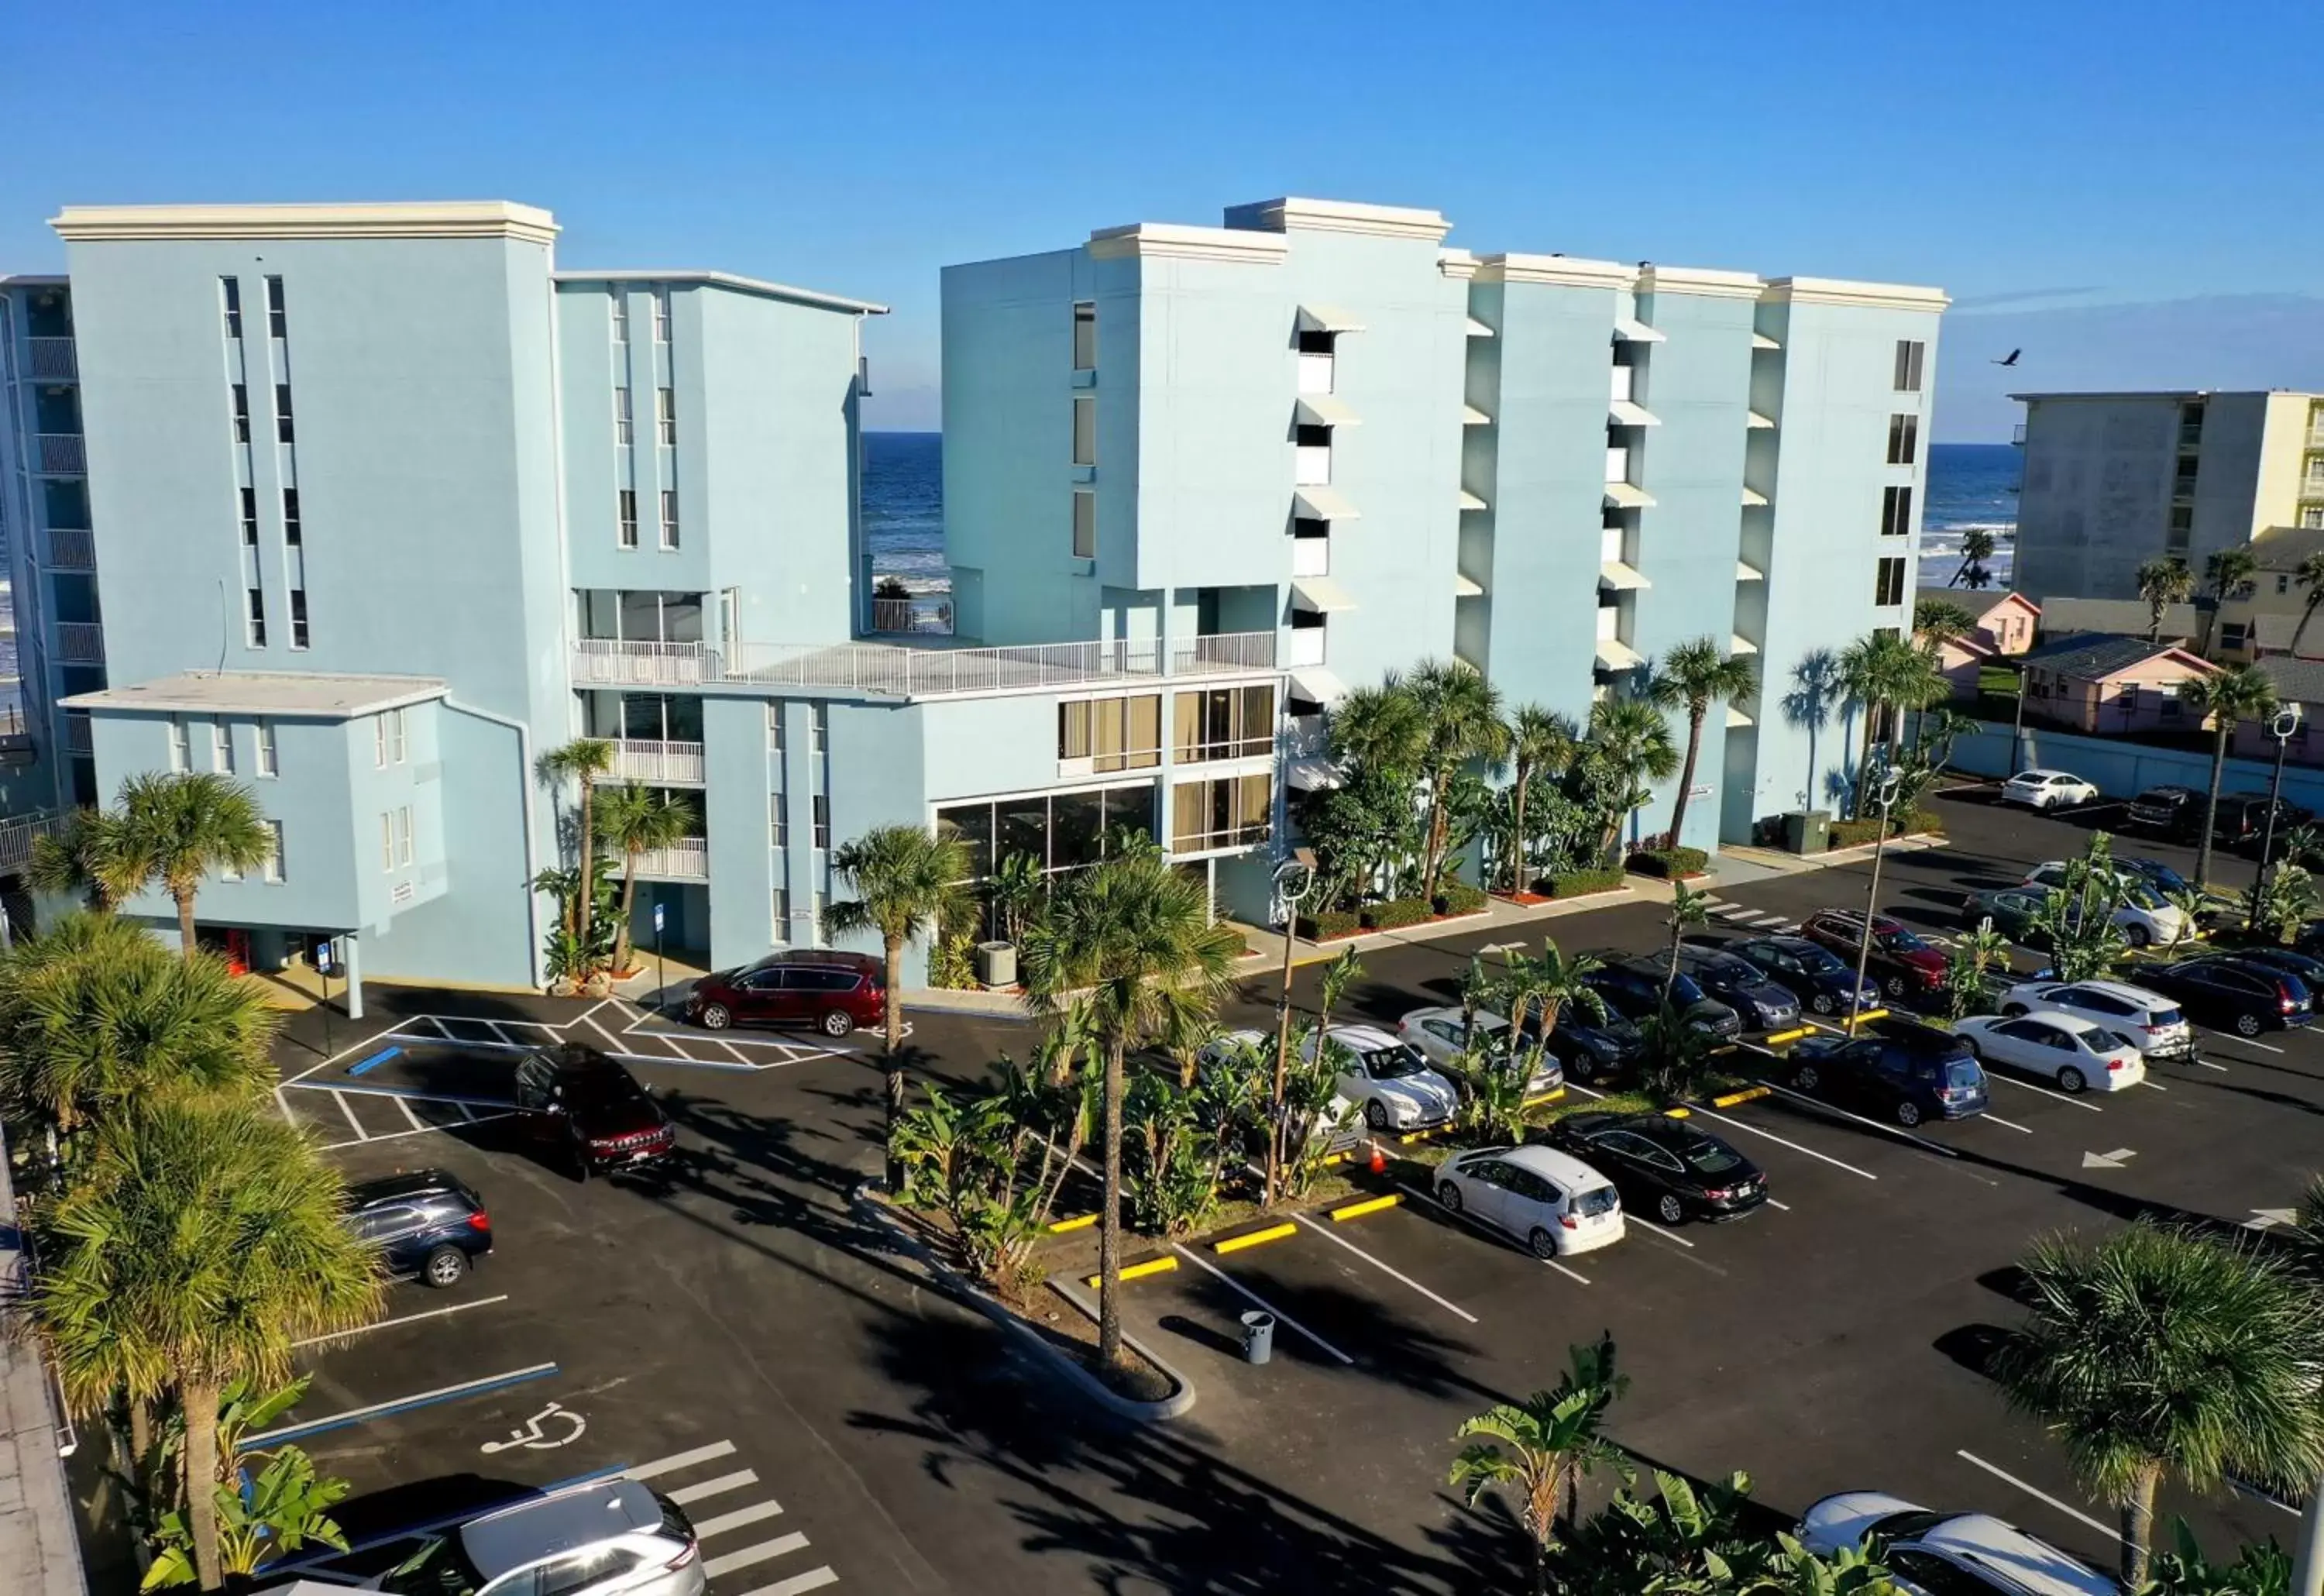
x=1814, y=974
x=428, y=1226
x=1900, y=1072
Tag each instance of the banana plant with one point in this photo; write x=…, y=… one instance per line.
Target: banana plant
x=286, y=1505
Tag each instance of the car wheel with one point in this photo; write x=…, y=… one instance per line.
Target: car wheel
x=1376, y=1114
x=1671, y=1209
x=837, y=1022
x=1896, y=986
x=1806, y=1077
x=2249, y=1024
x=2137, y=936
x=2069, y=1079
x=580, y=1163
x=717, y=1016
x=1449, y=1195
x=444, y=1267
x=1822, y=1002
x=1908, y=1114
x=1541, y=1243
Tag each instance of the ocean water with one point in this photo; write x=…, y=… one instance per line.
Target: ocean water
x=1970, y=485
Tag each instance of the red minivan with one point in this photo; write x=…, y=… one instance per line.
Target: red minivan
x=833, y=991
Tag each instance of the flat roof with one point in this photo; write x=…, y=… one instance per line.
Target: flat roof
x=2171, y=393
x=296, y=694
x=424, y=219
x=696, y=278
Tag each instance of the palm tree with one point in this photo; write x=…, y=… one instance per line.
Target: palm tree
x=1540, y=740
x=2228, y=696
x=2311, y=576
x=2163, y=581
x=2158, y=1351
x=1633, y=739
x=190, y=824
x=1126, y=932
x=581, y=761
x=907, y=882
x=95, y=1013
x=1697, y=678
x=1886, y=676
x=1377, y=727
x=1550, y=985
x=94, y=855
x=1536, y=1451
x=1940, y=620
x=1690, y=910
x=2223, y=574
x=1815, y=686
x=635, y=820
x=1977, y=547
x=1461, y=721
x=205, y=1239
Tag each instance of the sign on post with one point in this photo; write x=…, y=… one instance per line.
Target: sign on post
x=658, y=914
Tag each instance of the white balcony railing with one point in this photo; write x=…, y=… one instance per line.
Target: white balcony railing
x=77, y=734
x=656, y=764
x=603, y=662
x=72, y=548
x=80, y=643
x=62, y=454
x=929, y=613
x=54, y=358
x=1311, y=466
x=687, y=860
x=17, y=836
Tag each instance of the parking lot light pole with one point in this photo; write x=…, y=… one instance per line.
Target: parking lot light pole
x=2286, y=721
x=1293, y=880
x=1884, y=797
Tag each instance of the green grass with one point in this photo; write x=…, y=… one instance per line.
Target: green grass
x=1996, y=679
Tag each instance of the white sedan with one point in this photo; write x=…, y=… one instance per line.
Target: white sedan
x=2047, y=789
x=2079, y=1055
x=1441, y=1035
x=1389, y=1081
x=1948, y=1554
x=2146, y=916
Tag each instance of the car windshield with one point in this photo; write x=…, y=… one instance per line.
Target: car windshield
x=439, y=1568
x=1818, y=961
x=1392, y=1063
x=2161, y=874
x=1596, y=1201
x=1710, y=1157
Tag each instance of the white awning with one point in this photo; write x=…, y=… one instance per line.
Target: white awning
x=1631, y=330
x=1626, y=496
x=1320, y=503
x=1613, y=654
x=1478, y=329
x=1747, y=572
x=1317, y=686
x=1470, y=416
x=1312, y=775
x=1736, y=717
x=1759, y=423
x=1762, y=341
x=1754, y=498
x=1467, y=587
x=1627, y=414
x=1739, y=644
x=1327, y=318
x=1321, y=595
x=1469, y=501
x=1625, y=578
x=1325, y=409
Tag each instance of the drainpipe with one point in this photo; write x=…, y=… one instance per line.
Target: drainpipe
x=524, y=799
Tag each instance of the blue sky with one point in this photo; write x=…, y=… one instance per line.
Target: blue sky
x=2125, y=189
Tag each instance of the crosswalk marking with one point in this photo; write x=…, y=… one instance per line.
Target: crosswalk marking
x=737, y=1518
x=709, y=1488
x=682, y=1459
x=724, y=1527
x=353, y=1124
x=781, y=1546
x=814, y=1579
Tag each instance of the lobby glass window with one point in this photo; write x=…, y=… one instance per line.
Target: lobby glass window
x=273, y=871
x=972, y=824
x=292, y=532
x=1896, y=511
x=1061, y=831
x=1084, y=524
x=1085, y=336
x=1111, y=734
x=1085, y=431
x=1021, y=826
x=626, y=510
x=254, y=617
x=1076, y=829
x=242, y=413
x=669, y=518
x=269, y=763
x=1224, y=723
x=278, y=324
x=231, y=288
x=1903, y=439
x=250, y=518
x=1230, y=813
x=1910, y=353
x=1889, y=584
x=182, y=752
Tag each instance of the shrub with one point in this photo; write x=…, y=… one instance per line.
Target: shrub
x=1394, y=912
x=1854, y=834
x=1669, y=863
x=1329, y=922
x=1574, y=884
x=1460, y=897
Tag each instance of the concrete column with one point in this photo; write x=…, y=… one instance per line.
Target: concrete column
x=350, y=952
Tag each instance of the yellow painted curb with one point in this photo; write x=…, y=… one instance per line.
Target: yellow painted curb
x=1675, y=1113
x=1414, y=1136
x=1330, y=1158
x=1368, y=1205
x=1253, y=1238
x=1868, y=1016
x=1780, y=1037
x=1749, y=1094
x=1135, y=1271
x=1544, y=1097
x=1080, y=1222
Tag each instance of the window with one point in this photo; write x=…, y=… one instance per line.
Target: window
x=2312, y=515
x=661, y=314
x=388, y=742
x=1084, y=524
x=401, y=838
x=618, y=305
x=182, y=753
x=298, y=617
x=626, y=510
x=1889, y=584
x=1230, y=813
x=666, y=417
x=267, y=763
x=242, y=413
x=254, y=625
x=669, y=518
x=783, y=914
x=1224, y=723
x=730, y=619
x=819, y=729
x=1903, y=439
x=250, y=518
x=232, y=289
x=821, y=821
x=222, y=748
x=277, y=325
x=815, y=915
x=1896, y=511
x=2182, y=518
x=387, y=842
x=775, y=726
x=283, y=432
x=229, y=873
x=1085, y=431
x=2283, y=585
x=779, y=829
x=272, y=870
x=1111, y=734
x=1085, y=336
x=1909, y=353
x=622, y=417
x=291, y=534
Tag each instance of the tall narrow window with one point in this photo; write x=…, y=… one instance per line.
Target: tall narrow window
x=1896, y=511
x=386, y=841
x=277, y=323
x=1085, y=431
x=254, y=617
x=1909, y=353
x=298, y=617
x=666, y=417
x=291, y=534
x=626, y=508
x=622, y=417
x=403, y=836
x=232, y=289
x=1084, y=524
x=182, y=752
x=268, y=764
x=1085, y=336
x=1903, y=439
x=283, y=433
x=242, y=413
x=669, y=518
x=779, y=830
x=396, y=746
x=1889, y=584
x=783, y=914
x=619, y=302
x=821, y=821
x=819, y=729
x=222, y=748
x=250, y=518
x=661, y=314
x=775, y=726
x=273, y=871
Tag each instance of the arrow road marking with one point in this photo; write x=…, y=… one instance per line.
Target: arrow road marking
x=2112, y=1160
x=2262, y=1218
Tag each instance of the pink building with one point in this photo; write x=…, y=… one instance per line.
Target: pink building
x=2299, y=684
x=2102, y=684
x=2004, y=626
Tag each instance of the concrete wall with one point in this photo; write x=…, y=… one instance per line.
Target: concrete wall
x=2124, y=770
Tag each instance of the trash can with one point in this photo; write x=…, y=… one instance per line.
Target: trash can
x=996, y=964
x=1258, y=1337
x=1808, y=831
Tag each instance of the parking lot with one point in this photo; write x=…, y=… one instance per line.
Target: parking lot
x=1833, y=1339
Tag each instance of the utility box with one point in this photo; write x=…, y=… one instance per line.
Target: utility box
x=1807, y=831
x=996, y=964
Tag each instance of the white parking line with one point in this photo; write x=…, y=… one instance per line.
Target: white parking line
x=779, y=1547
x=1650, y=1225
x=2040, y=1496
x=1200, y=1263
x=1704, y=1114
x=2011, y=1124
x=2247, y=1042
x=676, y=1460
x=1786, y=1207
x=706, y=1527
x=361, y=1141
x=2043, y=1091
x=2158, y=1086
x=798, y=1584
x=1895, y=1131
x=739, y=1056
x=457, y=1307
x=466, y=1112
x=353, y=1124
x=1384, y=1269
x=405, y=1104
x=1479, y=1225
x=709, y=1488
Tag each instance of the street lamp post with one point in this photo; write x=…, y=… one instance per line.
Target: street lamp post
x=1884, y=796
x=1294, y=878
x=2285, y=722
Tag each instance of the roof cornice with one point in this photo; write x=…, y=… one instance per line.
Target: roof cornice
x=1869, y=296
x=1563, y=271
x=1172, y=240
x=459, y=218
x=1700, y=280
x=1457, y=263
x=727, y=280
x=1291, y=214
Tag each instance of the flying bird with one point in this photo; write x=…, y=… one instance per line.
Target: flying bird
x=2011, y=358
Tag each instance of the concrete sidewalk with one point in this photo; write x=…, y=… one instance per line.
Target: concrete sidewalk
x=39, y=1547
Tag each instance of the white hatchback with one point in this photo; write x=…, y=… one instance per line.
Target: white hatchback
x=2077, y=1053
x=2047, y=789
x=1551, y=1200
x=2148, y=1020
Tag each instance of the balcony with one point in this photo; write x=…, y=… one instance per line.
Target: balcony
x=931, y=614
x=80, y=643
x=17, y=835
x=61, y=454
x=54, y=358
x=687, y=860
x=78, y=740
x=893, y=670
x=656, y=764
x=72, y=548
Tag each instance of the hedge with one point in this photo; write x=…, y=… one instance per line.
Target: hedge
x=1574, y=884
x=1669, y=861
x=1855, y=834
x=1329, y=922
x=1460, y=897
x=1395, y=913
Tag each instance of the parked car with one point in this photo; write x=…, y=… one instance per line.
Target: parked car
x=2145, y=916
x=2307, y=966
x=2157, y=874
x=1818, y=978
x=1339, y=1124
x=832, y=990
x=1893, y=1072
x=2150, y=1022
x=2225, y=993
x=2176, y=813
x=1590, y=1049
x=2077, y=1053
x=1757, y=1002
x=1948, y=1554
x=1551, y=1200
x=1633, y=988
x=1663, y=1166
x=2172, y=811
x=2012, y=911
x=591, y=1540
x=590, y=1108
x=1388, y=1080
x=1905, y=965
x=429, y=1224
x=2047, y=789
x=1440, y=1035
x=2242, y=820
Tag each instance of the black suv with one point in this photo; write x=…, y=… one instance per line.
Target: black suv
x=1590, y=1049
x=428, y=1224
x=1633, y=989
x=2166, y=811
x=2176, y=813
x=2222, y=991
x=1904, y=1070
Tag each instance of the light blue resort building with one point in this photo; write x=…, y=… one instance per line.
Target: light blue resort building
x=369, y=505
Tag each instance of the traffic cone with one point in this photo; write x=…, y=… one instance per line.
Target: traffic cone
x=1380, y=1160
